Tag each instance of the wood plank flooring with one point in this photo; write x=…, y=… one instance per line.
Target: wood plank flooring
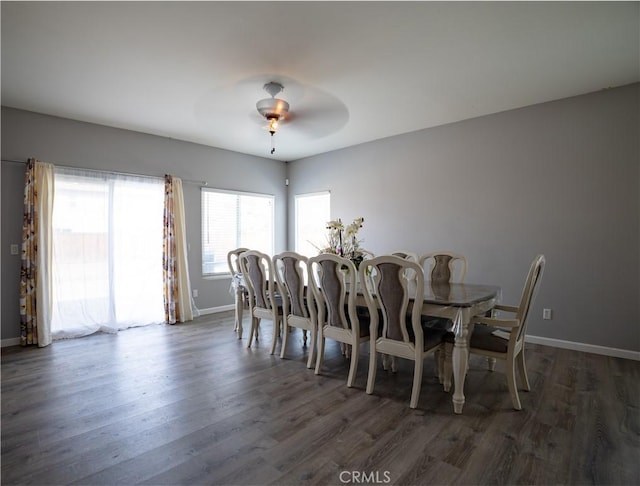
x=190, y=404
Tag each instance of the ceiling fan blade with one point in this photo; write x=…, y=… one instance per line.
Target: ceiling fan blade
x=318, y=121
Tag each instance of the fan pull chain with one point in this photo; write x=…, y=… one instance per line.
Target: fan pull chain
x=273, y=144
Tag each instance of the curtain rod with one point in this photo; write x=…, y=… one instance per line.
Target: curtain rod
x=187, y=181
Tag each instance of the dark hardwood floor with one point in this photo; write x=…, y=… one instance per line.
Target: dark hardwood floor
x=190, y=404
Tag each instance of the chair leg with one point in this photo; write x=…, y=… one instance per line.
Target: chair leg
x=320, y=357
x=276, y=333
x=371, y=377
x=255, y=322
x=312, y=349
x=438, y=356
x=394, y=364
x=447, y=366
x=523, y=371
x=239, y=330
x=385, y=362
x=417, y=382
x=491, y=364
x=511, y=382
x=353, y=367
x=285, y=335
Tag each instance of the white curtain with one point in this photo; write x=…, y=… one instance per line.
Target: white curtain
x=107, y=252
x=44, y=302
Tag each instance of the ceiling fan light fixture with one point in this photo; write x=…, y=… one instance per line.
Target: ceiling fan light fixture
x=273, y=109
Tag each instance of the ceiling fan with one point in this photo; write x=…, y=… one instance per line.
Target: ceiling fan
x=298, y=112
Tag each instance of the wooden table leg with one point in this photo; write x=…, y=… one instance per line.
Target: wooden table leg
x=239, y=309
x=460, y=359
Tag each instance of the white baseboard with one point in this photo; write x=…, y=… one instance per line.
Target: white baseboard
x=214, y=310
x=10, y=342
x=587, y=348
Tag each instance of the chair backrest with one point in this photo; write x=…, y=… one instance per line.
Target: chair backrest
x=331, y=278
x=257, y=269
x=407, y=255
x=444, y=266
x=290, y=269
x=232, y=260
x=397, y=291
x=366, y=253
x=531, y=286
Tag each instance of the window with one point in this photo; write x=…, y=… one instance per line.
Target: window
x=312, y=214
x=232, y=220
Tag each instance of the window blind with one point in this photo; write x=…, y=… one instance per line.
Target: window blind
x=231, y=220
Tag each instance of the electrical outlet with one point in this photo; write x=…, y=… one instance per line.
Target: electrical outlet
x=15, y=250
x=546, y=314
x=195, y=292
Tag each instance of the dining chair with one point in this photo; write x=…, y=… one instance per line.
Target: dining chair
x=240, y=292
x=298, y=309
x=443, y=267
x=396, y=296
x=503, y=338
x=412, y=257
x=264, y=302
x=333, y=280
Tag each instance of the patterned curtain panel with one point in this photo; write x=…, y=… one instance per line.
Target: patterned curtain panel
x=178, y=306
x=169, y=254
x=35, y=271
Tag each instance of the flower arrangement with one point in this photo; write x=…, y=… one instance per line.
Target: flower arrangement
x=342, y=240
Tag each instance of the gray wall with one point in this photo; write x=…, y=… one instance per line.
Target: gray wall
x=70, y=143
x=559, y=178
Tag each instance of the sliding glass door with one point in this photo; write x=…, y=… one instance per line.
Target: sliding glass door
x=107, y=252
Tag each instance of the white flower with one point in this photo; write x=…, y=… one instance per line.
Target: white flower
x=335, y=225
x=342, y=240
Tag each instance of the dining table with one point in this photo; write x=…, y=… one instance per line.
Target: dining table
x=459, y=303
x=239, y=291
x=456, y=302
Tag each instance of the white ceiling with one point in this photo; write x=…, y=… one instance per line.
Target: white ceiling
x=353, y=71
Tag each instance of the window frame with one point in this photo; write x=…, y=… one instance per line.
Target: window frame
x=296, y=198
